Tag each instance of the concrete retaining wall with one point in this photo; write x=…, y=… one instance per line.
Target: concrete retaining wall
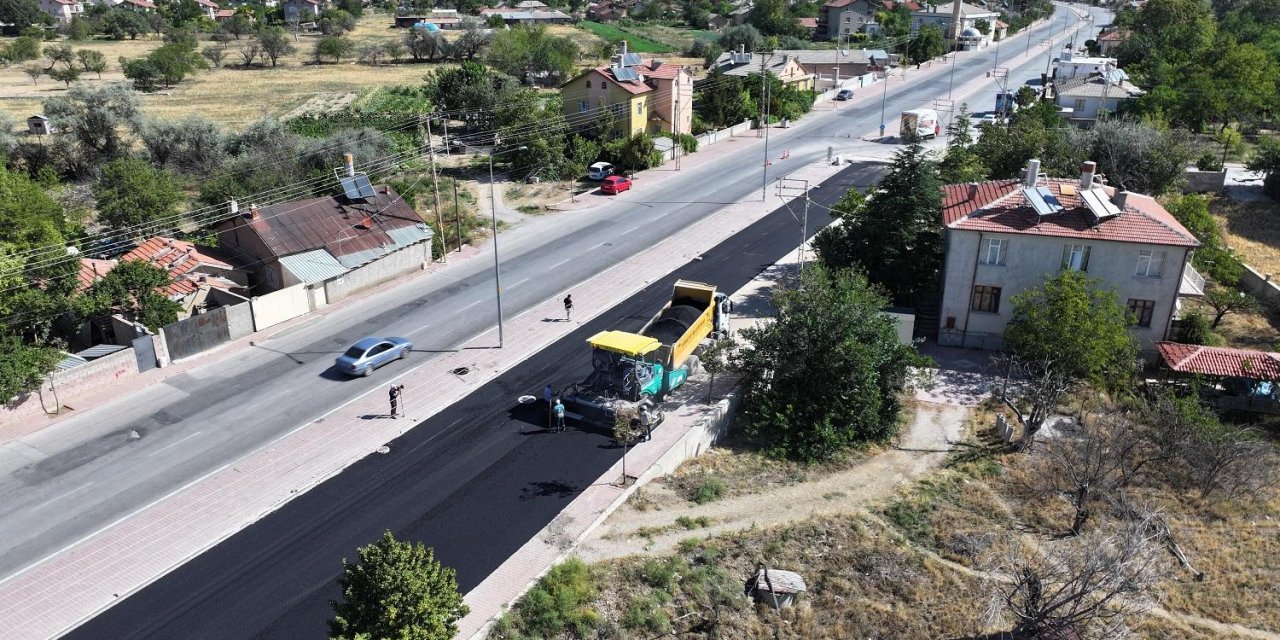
x=1205, y=181
x=712, y=137
x=388, y=267
x=276, y=307
x=71, y=385
x=239, y=320
x=1260, y=286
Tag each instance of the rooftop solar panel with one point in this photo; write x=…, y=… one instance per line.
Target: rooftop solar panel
x=1037, y=201
x=364, y=186
x=349, y=188
x=625, y=74
x=1099, y=204
x=357, y=187
x=632, y=60
x=1050, y=199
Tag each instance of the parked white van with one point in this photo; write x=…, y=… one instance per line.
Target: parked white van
x=600, y=171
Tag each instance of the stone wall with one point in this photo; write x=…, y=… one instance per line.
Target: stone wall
x=388, y=267
x=24, y=416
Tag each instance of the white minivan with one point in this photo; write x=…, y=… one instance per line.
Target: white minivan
x=600, y=171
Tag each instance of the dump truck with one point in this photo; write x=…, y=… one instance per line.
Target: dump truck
x=924, y=122
x=628, y=369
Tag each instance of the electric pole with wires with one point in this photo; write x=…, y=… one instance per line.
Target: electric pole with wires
x=435, y=186
x=789, y=189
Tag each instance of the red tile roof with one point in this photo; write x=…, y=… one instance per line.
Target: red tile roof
x=92, y=270
x=999, y=206
x=835, y=4
x=1220, y=361
x=664, y=70
x=809, y=23
x=332, y=224
x=910, y=4
x=1115, y=35
x=179, y=258
x=224, y=13
x=145, y=4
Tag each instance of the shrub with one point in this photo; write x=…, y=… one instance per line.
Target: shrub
x=711, y=489
x=1209, y=162
x=688, y=143
x=645, y=613
x=1195, y=328
x=663, y=574
x=560, y=602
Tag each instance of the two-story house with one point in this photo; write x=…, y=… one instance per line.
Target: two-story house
x=782, y=64
x=940, y=15
x=1083, y=99
x=303, y=10
x=1069, y=65
x=643, y=96
x=62, y=10
x=1004, y=237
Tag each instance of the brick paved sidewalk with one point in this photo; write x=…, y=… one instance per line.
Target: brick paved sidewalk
x=57, y=593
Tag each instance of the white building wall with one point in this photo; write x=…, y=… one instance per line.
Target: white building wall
x=1028, y=260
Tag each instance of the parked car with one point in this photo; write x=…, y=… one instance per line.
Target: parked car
x=600, y=171
x=844, y=94
x=369, y=354
x=989, y=118
x=615, y=184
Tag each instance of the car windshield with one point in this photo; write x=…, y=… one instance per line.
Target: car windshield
x=354, y=352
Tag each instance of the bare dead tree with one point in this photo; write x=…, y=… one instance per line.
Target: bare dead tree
x=1087, y=586
x=1032, y=389
x=1089, y=468
x=1231, y=461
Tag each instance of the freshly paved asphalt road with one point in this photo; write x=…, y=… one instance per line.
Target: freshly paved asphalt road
x=71, y=479
x=475, y=481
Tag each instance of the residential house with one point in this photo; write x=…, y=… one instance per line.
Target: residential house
x=302, y=10
x=514, y=17
x=940, y=15
x=529, y=5
x=209, y=8
x=1232, y=379
x=810, y=25
x=1082, y=99
x=781, y=63
x=144, y=6
x=840, y=18
x=826, y=64
x=1069, y=65
x=222, y=15
x=195, y=272
x=313, y=240
x=607, y=11
x=716, y=22
x=644, y=96
x=1004, y=237
x=62, y=10
x=739, y=16
x=1111, y=40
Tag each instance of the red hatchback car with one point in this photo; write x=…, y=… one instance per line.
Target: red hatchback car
x=615, y=184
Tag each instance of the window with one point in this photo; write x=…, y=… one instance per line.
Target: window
x=640, y=108
x=993, y=252
x=1142, y=310
x=986, y=299
x=1075, y=257
x=1079, y=106
x=1150, y=264
x=582, y=106
x=588, y=84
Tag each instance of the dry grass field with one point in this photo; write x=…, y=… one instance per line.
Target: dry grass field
x=1252, y=230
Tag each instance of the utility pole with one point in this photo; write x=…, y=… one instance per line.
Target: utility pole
x=457, y=214
x=435, y=186
x=764, y=123
x=678, y=148
x=445, y=119
x=791, y=188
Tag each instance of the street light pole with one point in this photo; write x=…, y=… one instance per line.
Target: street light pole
x=493, y=216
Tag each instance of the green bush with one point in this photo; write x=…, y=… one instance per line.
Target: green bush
x=560, y=602
x=644, y=613
x=1196, y=328
x=712, y=488
x=1209, y=161
x=688, y=143
x=663, y=574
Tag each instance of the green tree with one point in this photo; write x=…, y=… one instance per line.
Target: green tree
x=92, y=61
x=22, y=49
x=144, y=74
x=119, y=22
x=527, y=52
x=472, y=41
x=927, y=44
x=1135, y=155
x=34, y=72
x=716, y=359
x=23, y=367
x=773, y=18
x=827, y=373
x=398, y=590
x=961, y=164
x=1026, y=96
x=21, y=13
x=237, y=25
x=173, y=62
x=131, y=192
x=336, y=22
x=745, y=36
x=215, y=54
x=67, y=75
x=60, y=53
x=1225, y=300
x=133, y=288
x=1034, y=132
x=97, y=117
x=895, y=235
x=1267, y=160
x=1213, y=257
x=335, y=47
x=423, y=44
x=275, y=43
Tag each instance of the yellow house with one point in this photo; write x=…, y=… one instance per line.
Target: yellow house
x=643, y=96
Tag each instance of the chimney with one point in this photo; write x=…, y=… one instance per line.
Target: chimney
x=350, y=162
x=1033, y=173
x=973, y=190
x=233, y=206
x=1120, y=199
x=655, y=64
x=253, y=212
x=1086, y=174
x=742, y=48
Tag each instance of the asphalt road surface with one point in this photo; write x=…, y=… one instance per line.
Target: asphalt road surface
x=69, y=480
x=476, y=482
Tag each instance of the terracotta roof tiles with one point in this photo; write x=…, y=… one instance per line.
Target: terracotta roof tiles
x=1220, y=361
x=177, y=257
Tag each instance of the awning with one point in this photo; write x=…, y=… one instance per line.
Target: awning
x=629, y=344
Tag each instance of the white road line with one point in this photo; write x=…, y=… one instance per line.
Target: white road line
x=471, y=305
x=518, y=283
x=561, y=263
x=67, y=493
x=173, y=444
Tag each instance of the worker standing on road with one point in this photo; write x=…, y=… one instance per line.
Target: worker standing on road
x=568, y=308
x=396, y=390
x=558, y=410
x=549, y=394
x=646, y=422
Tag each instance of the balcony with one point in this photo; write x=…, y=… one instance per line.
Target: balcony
x=1192, y=282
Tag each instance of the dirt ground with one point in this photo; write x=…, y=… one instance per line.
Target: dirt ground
x=653, y=528
x=1252, y=230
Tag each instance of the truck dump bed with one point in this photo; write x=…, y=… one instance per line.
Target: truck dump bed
x=682, y=324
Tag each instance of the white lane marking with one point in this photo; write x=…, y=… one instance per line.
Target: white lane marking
x=471, y=305
x=173, y=444
x=518, y=283
x=67, y=493
x=561, y=263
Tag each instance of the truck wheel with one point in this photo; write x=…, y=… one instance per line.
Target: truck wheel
x=692, y=365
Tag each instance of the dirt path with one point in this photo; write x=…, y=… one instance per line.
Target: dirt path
x=923, y=446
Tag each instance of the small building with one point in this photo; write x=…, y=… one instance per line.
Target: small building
x=1069, y=65
x=292, y=242
x=644, y=95
x=843, y=18
x=607, y=11
x=1003, y=237
x=716, y=22
x=143, y=6
x=513, y=17
x=785, y=66
x=940, y=15
x=208, y=8
x=1111, y=40
x=303, y=10
x=826, y=64
x=1083, y=99
x=39, y=125
x=739, y=16
x=194, y=271
x=775, y=587
x=1239, y=379
x=810, y=25
x=62, y=10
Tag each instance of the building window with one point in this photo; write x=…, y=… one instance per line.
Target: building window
x=1079, y=104
x=582, y=106
x=1142, y=311
x=588, y=84
x=639, y=108
x=986, y=299
x=1150, y=264
x=1075, y=257
x=993, y=252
